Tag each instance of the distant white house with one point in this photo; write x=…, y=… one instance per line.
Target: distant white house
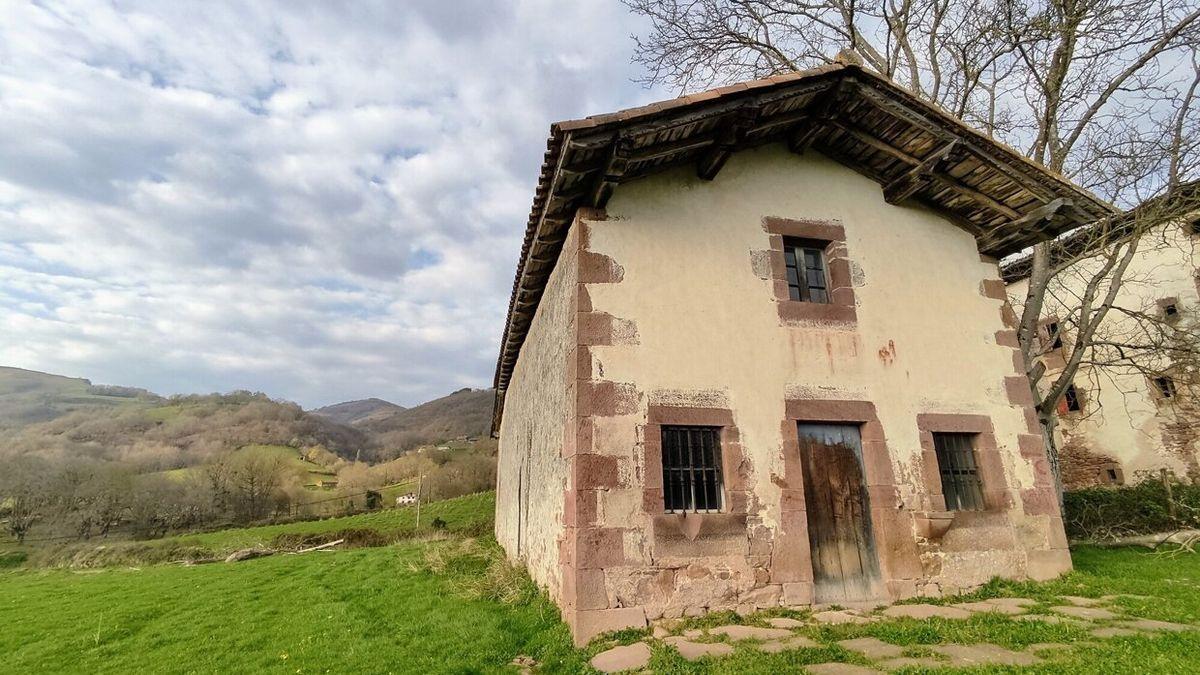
x=406, y=499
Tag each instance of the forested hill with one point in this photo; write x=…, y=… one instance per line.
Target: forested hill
x=466, y=412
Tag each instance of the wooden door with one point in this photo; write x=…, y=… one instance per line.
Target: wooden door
x=845, y=567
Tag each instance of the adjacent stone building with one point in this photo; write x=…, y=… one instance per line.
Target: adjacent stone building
x=1123, y=421
x=759, y=353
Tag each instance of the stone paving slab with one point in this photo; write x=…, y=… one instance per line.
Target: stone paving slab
x=1112, y=632
x=630, y=657
x=1081, y=601
x=1089, y=613
x=659, y=632
x=693, y=651
x=984, y=654
x=1052, y=619
x=986, y=606
x=735, y=632
x=693, y=633
x=1151, y=624
x=839, y=669
x=797, y=642
x=926, y=612
x=872, y=648
x=785, y=622
x=840, y=616
x=1011, y=602
x=1047, y=647
x=911, y=662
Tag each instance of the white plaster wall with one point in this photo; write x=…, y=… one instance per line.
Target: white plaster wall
x=531, y=471
x=1122, y=419
x=705, y=321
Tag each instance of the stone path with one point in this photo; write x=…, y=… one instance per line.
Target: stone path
x=1098, y=616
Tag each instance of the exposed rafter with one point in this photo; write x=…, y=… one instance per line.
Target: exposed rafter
x=916, y=178
x=728, y=137
x=614, y=170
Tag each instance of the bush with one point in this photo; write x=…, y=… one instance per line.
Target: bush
x=1106, y=512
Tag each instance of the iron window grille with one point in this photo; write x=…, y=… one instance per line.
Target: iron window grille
x=691, y=461
x=961, y=485
x=1054, y=335
x=806, y=274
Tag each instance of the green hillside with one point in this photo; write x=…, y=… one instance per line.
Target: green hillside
x=28, y=397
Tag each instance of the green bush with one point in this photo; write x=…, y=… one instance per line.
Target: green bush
x=1106, y=512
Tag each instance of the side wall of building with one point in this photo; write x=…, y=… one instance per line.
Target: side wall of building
x=532, y=472
x=1123, y=424
x=692, y=330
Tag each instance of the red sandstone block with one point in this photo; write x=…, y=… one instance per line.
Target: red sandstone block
x=993, y=288
x=1040, y=501
x=1007, y=338
x=595, y=472
x=597, y=268
x=1017, y=388
x=1031, y=445
x=601, y=398
x=587, y=624
x=598, y=547
x=590, y=592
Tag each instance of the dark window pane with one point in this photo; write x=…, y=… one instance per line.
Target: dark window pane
x=691, y=468
x=959, y=472
x=806, y=276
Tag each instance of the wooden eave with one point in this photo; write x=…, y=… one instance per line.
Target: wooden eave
x=914, y=150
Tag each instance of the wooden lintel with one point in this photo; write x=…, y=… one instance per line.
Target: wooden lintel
x=909, y=182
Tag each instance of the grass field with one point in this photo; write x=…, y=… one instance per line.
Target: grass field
x=452, y=606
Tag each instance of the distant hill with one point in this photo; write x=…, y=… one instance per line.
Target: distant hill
x=466, y=412
x=28, y=397
x=358, y=412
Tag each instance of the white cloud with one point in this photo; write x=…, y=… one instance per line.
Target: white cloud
x=321, y=201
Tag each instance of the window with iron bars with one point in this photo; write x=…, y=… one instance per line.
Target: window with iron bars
x=691, y=461
x=961, y=485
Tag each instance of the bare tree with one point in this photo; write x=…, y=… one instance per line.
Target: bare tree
x=23, y=495
x=1099, y=90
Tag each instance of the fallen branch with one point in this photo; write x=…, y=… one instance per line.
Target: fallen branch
x=322, y=546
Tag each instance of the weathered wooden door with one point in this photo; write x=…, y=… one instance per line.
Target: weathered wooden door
x=844, y=563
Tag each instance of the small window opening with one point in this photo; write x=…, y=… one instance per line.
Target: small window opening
x=1054, y=335
x=691, y=460
x=1112, y=475
x=1165, y=386
x=1170, y=309
x=1072, y=397
x=806, y=274
x=961, y=485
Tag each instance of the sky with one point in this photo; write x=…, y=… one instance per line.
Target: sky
x=322, y=201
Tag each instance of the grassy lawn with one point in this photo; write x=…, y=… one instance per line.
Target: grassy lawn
x=453, y=606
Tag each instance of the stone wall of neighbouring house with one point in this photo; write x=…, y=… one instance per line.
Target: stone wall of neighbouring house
x=682, y=321
x=532, y=470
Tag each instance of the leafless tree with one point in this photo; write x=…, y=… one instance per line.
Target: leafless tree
x=1102, y=91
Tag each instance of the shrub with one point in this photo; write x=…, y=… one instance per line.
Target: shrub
x=1108, y=512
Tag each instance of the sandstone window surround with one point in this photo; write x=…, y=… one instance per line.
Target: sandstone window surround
x=988, y=463
x=734, y=495
x=836, y=304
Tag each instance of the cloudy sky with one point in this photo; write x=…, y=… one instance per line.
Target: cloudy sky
x=322, y=201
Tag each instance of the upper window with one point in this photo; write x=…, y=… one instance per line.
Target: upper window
x=1170, y=309
x=1165, y=386
x=1071, y=397
x=961, y=485
x=691, y=461
x=1054, y=335
x=806, y=274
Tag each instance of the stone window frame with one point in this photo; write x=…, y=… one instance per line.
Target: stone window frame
x=841, y=308
x=733, y=485
x=1162, y=305
x=988, y=460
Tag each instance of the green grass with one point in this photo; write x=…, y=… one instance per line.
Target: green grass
x=363, y=610
x=454, y=606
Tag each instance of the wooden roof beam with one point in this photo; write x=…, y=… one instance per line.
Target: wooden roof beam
x=614, y=170
x=1011, y=230
x=908, y=183
x=729, y=135
x=821, y=113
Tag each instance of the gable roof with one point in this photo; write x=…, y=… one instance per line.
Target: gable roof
x=913, y=149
